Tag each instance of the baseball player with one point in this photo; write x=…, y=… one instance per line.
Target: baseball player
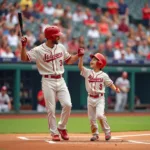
x=96, y=81
x=124, y=86
x=50, y=57
x=5, y=104
x=41, y=102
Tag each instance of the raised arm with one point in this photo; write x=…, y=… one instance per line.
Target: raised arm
x=75, y=57
x=80, y=63
x=24, y=56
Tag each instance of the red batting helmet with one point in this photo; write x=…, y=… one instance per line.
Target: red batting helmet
x=101, y=63
x=51, y=32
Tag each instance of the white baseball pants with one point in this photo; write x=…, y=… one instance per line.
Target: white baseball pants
x=121, y=101
x=53, y=88
x=96, y=112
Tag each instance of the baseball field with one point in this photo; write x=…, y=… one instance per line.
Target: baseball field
x=21, y=132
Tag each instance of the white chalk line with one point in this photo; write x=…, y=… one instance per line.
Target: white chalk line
x=23, y=138
x=138, y=142
x=133, y=135
x=50, y=142
x=38, y=138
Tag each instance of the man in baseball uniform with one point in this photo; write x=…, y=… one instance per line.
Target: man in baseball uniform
x=5, y=104
x=96, y=81
x=50, y=57
x=121, y=98
x=41, y=102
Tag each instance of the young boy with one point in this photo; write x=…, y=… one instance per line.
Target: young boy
x=96, y=81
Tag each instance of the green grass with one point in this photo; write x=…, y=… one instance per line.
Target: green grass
x=75, y=125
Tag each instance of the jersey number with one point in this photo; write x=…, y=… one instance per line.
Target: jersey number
x=60, y=62
x=100, y=86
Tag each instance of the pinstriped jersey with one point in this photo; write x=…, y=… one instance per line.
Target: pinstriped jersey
x=95, y=82
x=49, y=60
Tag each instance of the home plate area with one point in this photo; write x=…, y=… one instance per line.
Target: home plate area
x=119, y=141
x=120, y=137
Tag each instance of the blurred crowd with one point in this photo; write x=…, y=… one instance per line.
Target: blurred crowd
x=109, y=32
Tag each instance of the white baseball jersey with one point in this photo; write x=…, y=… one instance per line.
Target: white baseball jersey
x=4, y=98
x=95, y=81
x=49, y=60
x=122, y=83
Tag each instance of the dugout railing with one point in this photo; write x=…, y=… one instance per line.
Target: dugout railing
x=139, y=77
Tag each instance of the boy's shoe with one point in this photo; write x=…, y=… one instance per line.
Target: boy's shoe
x=108, y=136
x=63, y=133
x=55, y=138
x=94, y=138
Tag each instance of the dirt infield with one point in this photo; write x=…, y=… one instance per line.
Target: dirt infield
x=119, y=141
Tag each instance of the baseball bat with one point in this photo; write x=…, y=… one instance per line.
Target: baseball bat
x=20, y=22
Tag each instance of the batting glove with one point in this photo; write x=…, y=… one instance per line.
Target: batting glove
x=80, y=52
x=24, y=41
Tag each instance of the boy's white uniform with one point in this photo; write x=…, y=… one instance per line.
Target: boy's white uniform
x=50, y=65
x=95, y=85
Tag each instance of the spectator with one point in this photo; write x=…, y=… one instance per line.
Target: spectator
x=5, y=103
x=41, y=102
x=35, y=13
x=73, y=46
x=24, y=3
x=109, y=51
x=13, y=39
x=143, y=49
x=91, y=46
x=93, y=32
x=31, y=39
x=81, y=42
x=34, y=26
x=8, y=53
x=89, y=21
x=118, y=52
x=121, y=98
x=123, y=11
x=44, y=24
x=49, y=9
x=11, y=18
x=123, y=27
x=118, y=43
x=104, y=28
x=146, y=15
x=114, y=24
x=18, y=51
x=27, y=12
x=39, y=5
x=97, y=16
x=40, y=39
x=107, y=17
x=131, y=40
x=78, y=15
x=63, y=40
x=58, y=11
x=17, y=6
x=3, y=9
x=112, y=7
x=129, y=55
x=137, y=44
x=65, y=20
x=101, y=49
